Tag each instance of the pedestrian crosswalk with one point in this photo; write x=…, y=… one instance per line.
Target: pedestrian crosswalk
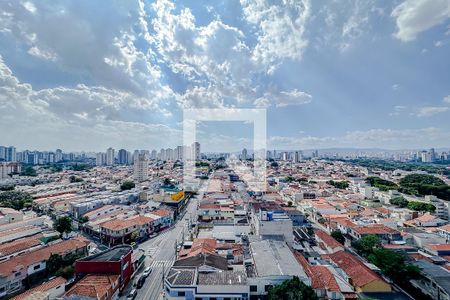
x=151, y=251
x=161, y=263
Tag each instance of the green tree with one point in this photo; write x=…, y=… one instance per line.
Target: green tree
x=292, y=289
x=63, y=224
x=54, y=263
x=393, y=264
x=421, y=206
x=127, y=185
x=66, y=272
x=382, y=184
x=399, y=201
x=28, y=171
x=338, y=236
x=74, y=179
x=338, y=184
x=15, y=199
x=367, y=244
x=84, y=219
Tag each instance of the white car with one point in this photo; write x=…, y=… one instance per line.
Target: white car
x=147, y=272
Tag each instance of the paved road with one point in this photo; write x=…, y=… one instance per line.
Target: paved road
x=160, y=253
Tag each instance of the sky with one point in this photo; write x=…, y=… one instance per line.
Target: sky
x=86, y=75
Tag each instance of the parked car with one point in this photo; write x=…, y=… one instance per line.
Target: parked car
x=132, y=294
x=140, y=282
x=147, y=272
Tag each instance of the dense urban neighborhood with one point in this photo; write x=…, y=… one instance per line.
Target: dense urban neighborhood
x=124, y=225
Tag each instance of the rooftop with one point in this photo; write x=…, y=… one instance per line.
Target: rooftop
x=275, y=258
x=113, y=254
x=223, y=278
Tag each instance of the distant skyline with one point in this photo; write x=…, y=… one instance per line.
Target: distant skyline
x=85, y=75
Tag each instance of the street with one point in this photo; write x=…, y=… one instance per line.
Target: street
x=160, y=253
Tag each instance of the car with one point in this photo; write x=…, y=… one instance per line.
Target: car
x=132, y=294
x=147, y=272
x=140, y=282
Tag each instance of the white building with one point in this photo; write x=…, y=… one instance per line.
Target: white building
x=110, y=156
x=140, y=167
x=100, y=159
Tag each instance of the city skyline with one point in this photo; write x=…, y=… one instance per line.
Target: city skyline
x=312, y=65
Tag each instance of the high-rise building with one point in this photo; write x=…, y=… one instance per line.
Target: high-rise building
x=100, y=159
x=154, y=155
x=297, y=157
x=196, y=151
x=58, y=155
x=123, y=157
x=2, y=153
x=169, y=154
x=11, y=153
x=140, y=167
x=244, y=154
x=110, y=156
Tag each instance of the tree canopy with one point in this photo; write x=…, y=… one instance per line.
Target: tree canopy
x=367, y=244
x=338, y=184
x=63, y=224
x=15, y=199
x=424, y=184
x=293, y=289
x=382, y=184
x=127, y=185
x=338, y=236
x=393, y=264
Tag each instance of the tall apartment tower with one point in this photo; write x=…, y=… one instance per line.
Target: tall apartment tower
x=140, y=167
x=100, y=159
x=110, y=156
x=244, y=155
x=123, y=157
x=196, y=151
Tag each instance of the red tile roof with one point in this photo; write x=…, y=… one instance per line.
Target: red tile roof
x=327, y=239
x=375, y=229
x=354, y=268
x=94, y=286
x=20, y=245
x=41, y=288
x=24, y=260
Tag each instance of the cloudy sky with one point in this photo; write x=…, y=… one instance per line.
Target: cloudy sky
x=86, y=75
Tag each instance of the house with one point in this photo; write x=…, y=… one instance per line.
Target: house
x=115, y=261
x=95, y=286
x=120, y=231
x=437, y=249
x=328, y=242
x=385, y=233
x=434, y=280
x=425, y=220
x=31, y=264
x=326, y=281
x=9, y=215
x=189, y=283
x=49, y=290
x=358, y=274
x=444, y=231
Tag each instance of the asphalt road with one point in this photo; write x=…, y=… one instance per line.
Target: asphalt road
x=160, y=253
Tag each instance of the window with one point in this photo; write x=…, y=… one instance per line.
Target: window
x=267, y=287
x=36, y=267
x=181, y=294
x=253, y=288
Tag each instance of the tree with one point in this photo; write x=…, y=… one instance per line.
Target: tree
x=74, y=179
x=421, y=206
x=290, y=203
x=399, y=201
x=338, y=184
x=66, y=272
x=424, y=184
x=63, y=224
x=127, y=185
x=393, y=264
x=28, y=171
x=84, y=219
x=338, y=236
x=382, y=184
x=367, y=244
x=292, y=289
x=54, y=263
x=15, y=199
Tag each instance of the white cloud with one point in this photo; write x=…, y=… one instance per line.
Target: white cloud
x=395, y=87
x=102, y=44
x=415, y=16
x=447, y=99
x=80, y=118
x=428, y=111
x=216, y=59
x=389, y=138
x=281, y=26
